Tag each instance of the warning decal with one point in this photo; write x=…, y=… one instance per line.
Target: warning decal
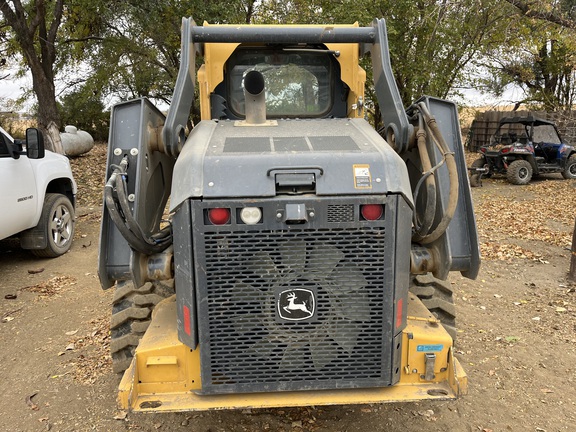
x=362, y=177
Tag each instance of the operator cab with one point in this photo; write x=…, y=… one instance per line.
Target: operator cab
x=299, y=82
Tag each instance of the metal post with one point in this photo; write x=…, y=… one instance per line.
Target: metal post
x=572, y=274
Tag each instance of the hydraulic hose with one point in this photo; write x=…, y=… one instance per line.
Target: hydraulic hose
x=450, y=161
x=151, y=242
x=424, y=226
x=121, y=215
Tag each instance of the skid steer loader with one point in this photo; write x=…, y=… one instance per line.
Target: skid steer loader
x=303, y=256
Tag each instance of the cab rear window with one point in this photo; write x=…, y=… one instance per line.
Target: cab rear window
x=298, y=82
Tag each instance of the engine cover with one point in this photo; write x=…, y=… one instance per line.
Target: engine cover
x=222, y=159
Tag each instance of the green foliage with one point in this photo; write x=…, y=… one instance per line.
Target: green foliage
x=435, y=46
x=131, y=48
x=85, y=110
x=138, y=54
x=543, y=64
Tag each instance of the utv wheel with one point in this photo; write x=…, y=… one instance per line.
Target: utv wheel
x=56, y=224
x=519, y=172
x=131, y=315
x=438, y=297
x=570, y=169
x=475, y=178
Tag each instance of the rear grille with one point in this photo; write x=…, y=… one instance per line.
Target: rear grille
x=294, y=309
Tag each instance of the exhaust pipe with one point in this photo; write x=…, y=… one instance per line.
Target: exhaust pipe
x=255, y=98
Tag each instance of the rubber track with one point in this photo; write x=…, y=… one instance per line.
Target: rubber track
x=131, y=315
x=438, y=297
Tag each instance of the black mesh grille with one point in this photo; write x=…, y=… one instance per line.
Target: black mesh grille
x=338, y=213
x=252, y=347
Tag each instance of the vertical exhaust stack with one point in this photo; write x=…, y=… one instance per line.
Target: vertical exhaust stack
x=255, y=96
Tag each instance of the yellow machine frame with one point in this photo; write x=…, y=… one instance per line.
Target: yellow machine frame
x=165, y=374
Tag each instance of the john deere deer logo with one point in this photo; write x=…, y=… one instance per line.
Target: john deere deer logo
x=296, y=304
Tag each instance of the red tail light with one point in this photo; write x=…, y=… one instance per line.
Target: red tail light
x=186, y=314
x=372, y=212
x=219, y=216
x=399, y=313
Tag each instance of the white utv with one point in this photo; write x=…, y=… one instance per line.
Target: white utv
x=37, y=195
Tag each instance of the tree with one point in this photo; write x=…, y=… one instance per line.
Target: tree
x=135, y=49
x=557, y=12
x=35, y=28
x=544, y=64
x=83, y=109
x=433, y=43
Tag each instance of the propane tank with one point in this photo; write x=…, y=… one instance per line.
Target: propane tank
x=76, y=142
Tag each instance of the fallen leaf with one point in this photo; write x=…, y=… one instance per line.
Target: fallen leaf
x=70, y=333
x=121, y=415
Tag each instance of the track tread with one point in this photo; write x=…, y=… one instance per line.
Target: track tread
x=131, y=316
x=438, y=297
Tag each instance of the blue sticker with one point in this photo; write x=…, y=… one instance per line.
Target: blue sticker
x=429, y=348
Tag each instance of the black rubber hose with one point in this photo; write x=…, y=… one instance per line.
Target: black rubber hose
x=128, y=227
x=134, y=242
x=152, y=246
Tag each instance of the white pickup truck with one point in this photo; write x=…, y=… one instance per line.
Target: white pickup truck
x=37, y=195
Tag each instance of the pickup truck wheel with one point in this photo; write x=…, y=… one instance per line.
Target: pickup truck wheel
x=438, y=297
x=56, y=224
x=570, y=169
x=131, y=315
x=519, y=172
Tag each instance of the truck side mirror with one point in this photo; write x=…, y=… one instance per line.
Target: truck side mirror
x=34, y=144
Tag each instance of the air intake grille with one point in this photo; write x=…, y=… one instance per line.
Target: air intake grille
x=340, y=213
x=294, y=310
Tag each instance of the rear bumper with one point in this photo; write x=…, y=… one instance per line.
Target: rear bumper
x=165, y=373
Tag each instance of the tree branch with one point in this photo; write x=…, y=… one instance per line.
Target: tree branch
x=58, y=11
x=84, y=39
x=527, y=10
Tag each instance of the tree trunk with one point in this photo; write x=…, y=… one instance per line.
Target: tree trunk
x=48, y=115
x=36, y=39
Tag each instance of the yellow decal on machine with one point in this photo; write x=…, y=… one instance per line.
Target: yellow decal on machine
x=362, y=177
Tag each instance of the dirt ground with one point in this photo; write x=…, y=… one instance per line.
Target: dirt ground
x=517, y=337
